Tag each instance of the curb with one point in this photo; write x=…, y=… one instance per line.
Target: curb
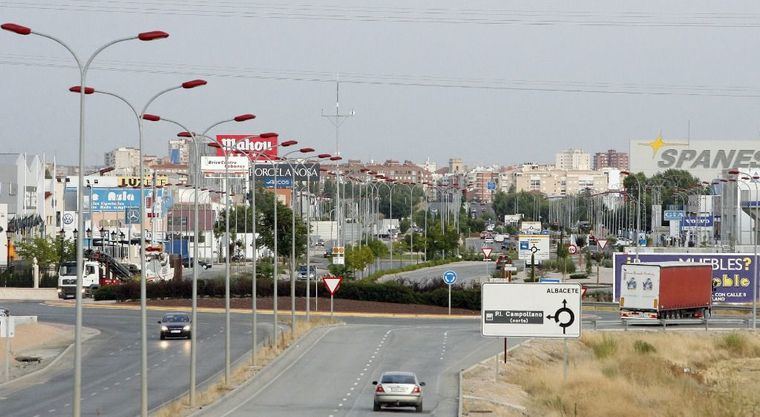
x=53, y=362
x=220, y=310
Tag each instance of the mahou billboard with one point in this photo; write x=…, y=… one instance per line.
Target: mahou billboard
x=265, y=148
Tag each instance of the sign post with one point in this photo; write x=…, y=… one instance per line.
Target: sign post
x=449, y=277
x=332, y=284
x=7, y=331
x=486, y=255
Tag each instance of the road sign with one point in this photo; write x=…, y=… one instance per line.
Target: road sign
x=486, y=251
x=339, y=255
x=545, y=280
x=572, y=249
x=7, y=327
x=491, y=185
x=602, y=243
x=531, y=310
x=583, y=291
x=332, y=284
x=449, y=277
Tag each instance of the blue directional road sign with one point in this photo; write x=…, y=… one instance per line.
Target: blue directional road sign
x=449, y=277
x=491, y=185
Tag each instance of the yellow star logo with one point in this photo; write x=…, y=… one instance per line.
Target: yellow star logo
x=655, y=144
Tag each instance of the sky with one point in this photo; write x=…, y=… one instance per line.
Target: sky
x=491, y=82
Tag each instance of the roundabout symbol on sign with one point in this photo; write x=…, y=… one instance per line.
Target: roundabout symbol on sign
x=449, y=277
x=563, y=324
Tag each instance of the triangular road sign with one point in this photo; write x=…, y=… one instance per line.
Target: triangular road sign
x=602, y=243
x=486, y=251
x=583, y=291
x=332, y=284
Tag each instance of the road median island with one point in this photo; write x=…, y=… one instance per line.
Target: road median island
x=215, y=389
x=622, y=374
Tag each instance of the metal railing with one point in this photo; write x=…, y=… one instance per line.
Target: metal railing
x=664, y=323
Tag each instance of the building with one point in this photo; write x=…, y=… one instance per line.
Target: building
x=124, y=160
x=705, y=159
x=24, y=184
x=482, y=184
x=573, y=159
x=559, y=182
x=179, y=152
x=403, y=172
x=611, y=159
x=456, y=166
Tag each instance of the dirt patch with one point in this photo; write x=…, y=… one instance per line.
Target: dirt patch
x=33, y=341
x=341, y=305
x=631, y=374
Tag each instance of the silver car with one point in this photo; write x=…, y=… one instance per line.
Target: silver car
x=398, y=389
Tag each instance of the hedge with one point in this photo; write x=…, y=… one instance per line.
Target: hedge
x=391, y=292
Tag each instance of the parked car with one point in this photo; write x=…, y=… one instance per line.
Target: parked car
x=175, y=325
x=188, y=263
x=312, y=272
x=398, y=389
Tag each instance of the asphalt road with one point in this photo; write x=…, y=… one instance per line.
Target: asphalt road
x=467, y=272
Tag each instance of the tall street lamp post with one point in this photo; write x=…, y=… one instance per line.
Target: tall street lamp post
x=76, y=407
x=754, y=179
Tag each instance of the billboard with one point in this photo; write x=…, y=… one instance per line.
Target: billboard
x=527, y=244
x=732, y=272
x=705, y=159
x=213, y=166
x=303, y=171
x=249, y=144
x=693, y=222
x=118, y=199
x=282, y=182
x=133, y=181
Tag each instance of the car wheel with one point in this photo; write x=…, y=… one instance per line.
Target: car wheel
x=189, y=335
x=162, y=337
x=376, y=407
x=418, y=408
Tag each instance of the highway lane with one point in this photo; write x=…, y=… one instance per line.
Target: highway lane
x=333, y=376
x=467, y=272
x=111, y=365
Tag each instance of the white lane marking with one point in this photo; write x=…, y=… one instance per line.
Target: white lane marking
x=66, y=405
x=106, y=388
x=51, y=411
x=340, y=405
x=128, y=378
x=93, y=394
x=116, y=384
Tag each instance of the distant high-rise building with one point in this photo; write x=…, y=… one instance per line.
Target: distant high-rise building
x=456, y=166
x=178, y=151
x=124, y=160
x=611, y=159
x=573, y=159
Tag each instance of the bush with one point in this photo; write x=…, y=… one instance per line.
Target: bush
x=604, y=348
x=643, y=347
x=104, y=293
x=579, y=275
x=734, y=342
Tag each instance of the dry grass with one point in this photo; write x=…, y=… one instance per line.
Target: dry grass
x=631, y=374
x=242, y=373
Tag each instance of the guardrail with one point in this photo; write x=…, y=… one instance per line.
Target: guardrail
x=714, y=307
x=666, y=322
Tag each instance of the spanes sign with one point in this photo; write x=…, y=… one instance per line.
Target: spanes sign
x=732, y=273
x=254, y=146
x=705, y=159
x=548, y=310
x=302, y=171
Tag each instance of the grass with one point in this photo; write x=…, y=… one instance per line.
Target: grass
x=631, y=374
x=241, y=374
x=406, y=268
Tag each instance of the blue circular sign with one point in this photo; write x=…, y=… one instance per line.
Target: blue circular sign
x=449, y=277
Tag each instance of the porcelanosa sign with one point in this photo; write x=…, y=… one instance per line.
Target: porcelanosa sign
x=303, y=172
x=265, y=148
x=704, y=159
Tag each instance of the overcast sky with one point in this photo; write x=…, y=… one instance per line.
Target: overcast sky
x=488, y=81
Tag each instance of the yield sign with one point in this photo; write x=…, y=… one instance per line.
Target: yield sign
x=583, y=291
x=486, y=251
x=602, y=243
x=332, y=283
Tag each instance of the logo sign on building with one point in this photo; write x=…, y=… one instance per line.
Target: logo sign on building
x=132, y=215
x=282, y=182
x=693, y=222
x=161, y=181
x=301, y=171
x=117, y=199
x=533, y=244
x=546, y=310
x=250, y=144
x=671, y=215
x=705, y=159
x=69, y=220
x=213, y=166
x=733, y=273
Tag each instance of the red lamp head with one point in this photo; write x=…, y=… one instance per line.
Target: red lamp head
x=214, y=145
x=184, y=134
x=193, y=83
x=306, y=150
x=289, y=143
x=151, y=117
x=78, y=89
x=268, y=135
x=152, y=35
x=733, y=171
x=335, y=158
x=244, y=117
x=324, y=155
x=17, y=29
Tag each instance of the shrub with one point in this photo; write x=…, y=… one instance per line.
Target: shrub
x=104, y=293
x=604, y=348
x=734, y=342
x=578, y=275
x=643, y=347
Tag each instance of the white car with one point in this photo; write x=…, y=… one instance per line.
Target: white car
x=398, y=389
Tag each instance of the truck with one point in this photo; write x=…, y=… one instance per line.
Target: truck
x=96, y=267
x=665, y=290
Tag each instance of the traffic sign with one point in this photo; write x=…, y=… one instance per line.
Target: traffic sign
x=339, y=255
x=602, y=243
x=486, y=251
x=583, y=291
x=449, y=277
x=572, y=249
x=332, y=284
x=7, y=327
x=545, y=280
x=491, y=185
x=531, y=310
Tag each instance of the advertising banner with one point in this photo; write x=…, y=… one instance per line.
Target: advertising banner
x=253, y=145
x=133, y=181
x=692, y=222
x=674, y=215
x=529, y=244
x=118, y=199
x=302, y=171
x=732, y=272
x=282, y=182
x=213, y=166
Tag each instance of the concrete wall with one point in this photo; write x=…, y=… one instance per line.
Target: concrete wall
x=43, y=294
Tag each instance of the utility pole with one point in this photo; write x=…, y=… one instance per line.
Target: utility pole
x=337, y=120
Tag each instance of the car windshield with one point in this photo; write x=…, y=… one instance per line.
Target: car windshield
x=175, y=318
x=397, y=379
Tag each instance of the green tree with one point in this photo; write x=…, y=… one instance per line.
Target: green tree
x=359, y=257
x=48, y=251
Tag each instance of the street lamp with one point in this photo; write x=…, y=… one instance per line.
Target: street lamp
x=638, y=211
x=754, y=233
x=83, y=68
x=194, y=333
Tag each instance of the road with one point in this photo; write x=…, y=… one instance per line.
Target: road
x=467, y=272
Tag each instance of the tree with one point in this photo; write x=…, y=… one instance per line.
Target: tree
x=48, y=251
x=359, y=257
